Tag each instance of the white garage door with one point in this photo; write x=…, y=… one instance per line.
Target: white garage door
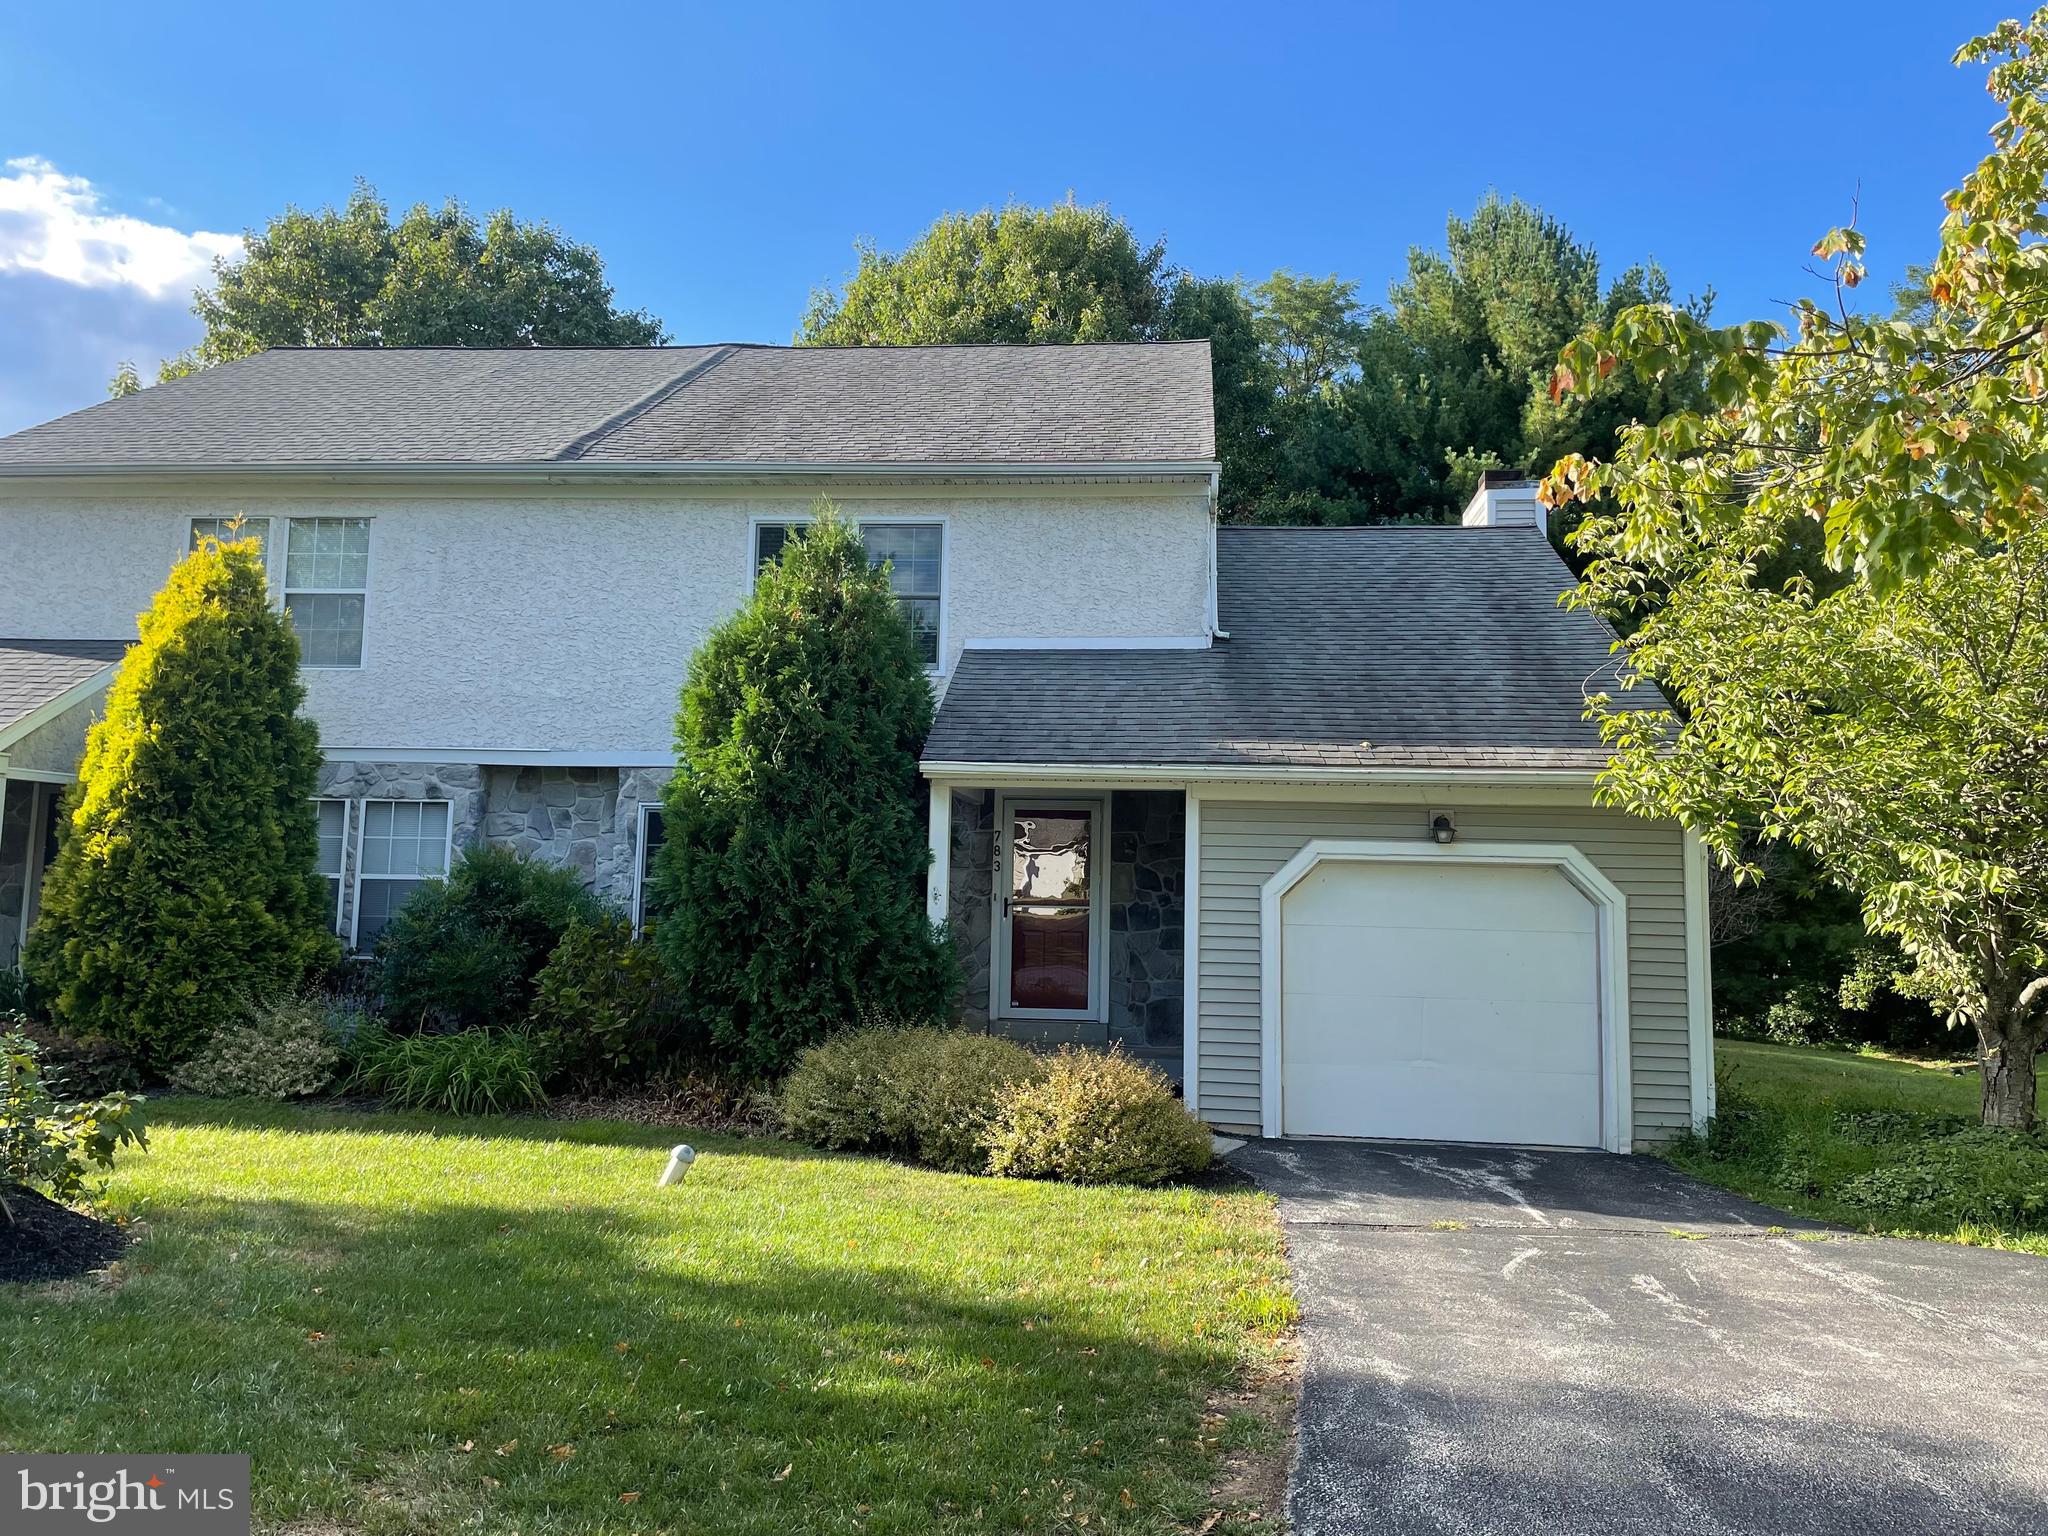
x=1440, y=1001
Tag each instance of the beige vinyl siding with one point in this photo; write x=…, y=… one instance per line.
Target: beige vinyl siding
x=1244, y=845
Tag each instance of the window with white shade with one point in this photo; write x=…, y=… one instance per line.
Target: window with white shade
x=230, y=529
x=915, y=553
x=402, y=845
x=333, y=826
x=326, y=586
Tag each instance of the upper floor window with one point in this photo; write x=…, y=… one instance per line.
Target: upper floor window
x=229, y=529
x=916, y=556
x=326, y=581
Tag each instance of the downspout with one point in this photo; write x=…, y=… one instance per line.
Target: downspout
x=1216, y=632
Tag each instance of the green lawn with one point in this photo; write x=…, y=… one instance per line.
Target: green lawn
x=503, y=1326
x=1882, y=1144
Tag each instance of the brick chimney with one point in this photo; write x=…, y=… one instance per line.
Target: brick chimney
x=1506, y=498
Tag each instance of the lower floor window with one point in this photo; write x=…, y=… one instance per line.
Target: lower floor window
x=404, y=843
x=333, y=820
x=646, y=902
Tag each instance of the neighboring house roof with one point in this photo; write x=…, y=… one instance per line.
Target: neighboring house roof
x=34, y=673
x=653, y=406
x=1348, y=648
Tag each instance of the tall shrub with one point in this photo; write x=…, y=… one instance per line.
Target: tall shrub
x=184, y=885
x=795, y=856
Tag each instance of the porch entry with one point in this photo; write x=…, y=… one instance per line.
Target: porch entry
x=1051, y=916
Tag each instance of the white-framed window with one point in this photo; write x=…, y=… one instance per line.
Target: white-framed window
x=333, y=859
x=916, y=556
x=653, y=833
x=229, y=529
x=326, y=585
x=914, y=551
x=401, y=845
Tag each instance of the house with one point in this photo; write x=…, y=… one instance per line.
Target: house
x=1305, y=814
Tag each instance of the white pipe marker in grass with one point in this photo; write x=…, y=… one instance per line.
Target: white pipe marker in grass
x=679, y=1160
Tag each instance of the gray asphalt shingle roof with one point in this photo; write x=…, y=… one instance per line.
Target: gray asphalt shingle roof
x=33, y=672
x=1348, y=648
x=1052, y=405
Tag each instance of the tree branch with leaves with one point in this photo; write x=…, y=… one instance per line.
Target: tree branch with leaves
x=1837, y=570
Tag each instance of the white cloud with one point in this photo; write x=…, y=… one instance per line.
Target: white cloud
x=54, y=224
x=84, y=289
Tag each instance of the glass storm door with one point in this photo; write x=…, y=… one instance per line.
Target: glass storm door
x=1048, y=883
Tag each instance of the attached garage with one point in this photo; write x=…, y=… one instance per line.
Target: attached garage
x=1444, y=994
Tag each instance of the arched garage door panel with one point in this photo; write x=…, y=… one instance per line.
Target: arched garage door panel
x=1454, y=1002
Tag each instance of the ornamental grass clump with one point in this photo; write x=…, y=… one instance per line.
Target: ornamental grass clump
x=923, y=1093
x=1096, y=1117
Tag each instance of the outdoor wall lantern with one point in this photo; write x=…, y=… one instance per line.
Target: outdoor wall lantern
x=1443, y=827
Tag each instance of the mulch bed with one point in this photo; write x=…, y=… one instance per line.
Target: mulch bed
x=48, y=1241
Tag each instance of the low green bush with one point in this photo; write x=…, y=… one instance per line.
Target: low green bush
x=1096, y=1117
x=464, y=952
x=471, y=1072
x=605, y=1005
x=1977, y=1174
x=282, y=1049
x=51, y=1143
x=918, y=1092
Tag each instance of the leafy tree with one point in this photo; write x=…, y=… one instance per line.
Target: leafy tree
x=1447, y=379
x=1018, y=274
x=1054, y=275
x=438, y=277
x=1218, y=310
x=184, y=887
x=1892, y=716
x=792, y=871
x=1310, y=329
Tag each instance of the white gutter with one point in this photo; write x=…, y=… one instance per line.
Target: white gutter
x=566, y=470
x=1099, y=773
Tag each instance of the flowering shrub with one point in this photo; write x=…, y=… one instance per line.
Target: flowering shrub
x=284, y=1049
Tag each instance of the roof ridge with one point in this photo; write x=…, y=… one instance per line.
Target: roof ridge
x=578, y=446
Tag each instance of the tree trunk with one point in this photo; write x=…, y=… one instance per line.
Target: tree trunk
x=2006, y=1061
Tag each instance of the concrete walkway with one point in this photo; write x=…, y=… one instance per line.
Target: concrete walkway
x=1505, y=1341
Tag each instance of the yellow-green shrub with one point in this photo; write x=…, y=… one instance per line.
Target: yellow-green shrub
x=185, y=878
x=1095, y=1117
x=921, y=1093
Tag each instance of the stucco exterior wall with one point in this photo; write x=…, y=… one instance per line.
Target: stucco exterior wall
x=1244, y=844
x=560, y=622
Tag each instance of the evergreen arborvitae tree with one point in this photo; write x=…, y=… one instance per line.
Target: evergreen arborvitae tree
x=184, y=885
x=795, y=854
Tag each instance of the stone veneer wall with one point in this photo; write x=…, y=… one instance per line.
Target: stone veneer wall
x=1146, y=960
x=460, y=784
x=1147, y=929
x=970, y=896
x=586, y=819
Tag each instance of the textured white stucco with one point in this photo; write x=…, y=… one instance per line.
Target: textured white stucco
x=554, y=621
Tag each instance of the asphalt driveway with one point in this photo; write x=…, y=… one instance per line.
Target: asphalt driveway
x=1503, y=1341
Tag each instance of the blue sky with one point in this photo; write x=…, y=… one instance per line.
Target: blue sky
x=725, y=158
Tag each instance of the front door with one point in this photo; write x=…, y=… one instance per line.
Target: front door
x=1049, y=892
